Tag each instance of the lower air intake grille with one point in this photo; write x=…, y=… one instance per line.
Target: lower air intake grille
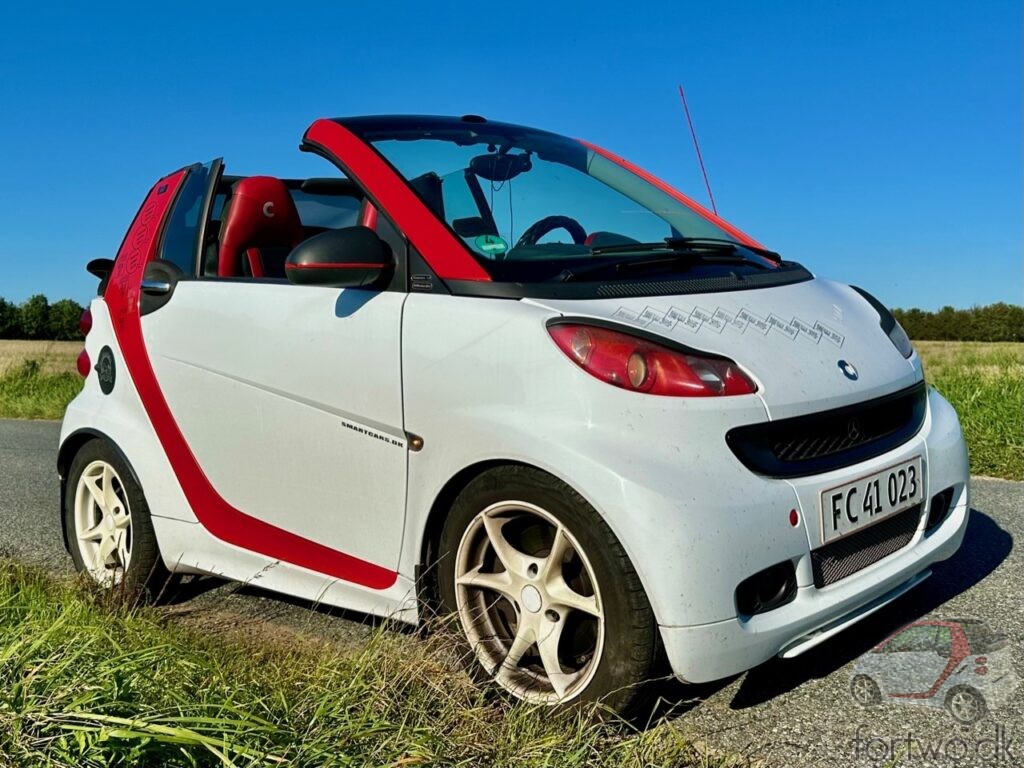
x=856, y=552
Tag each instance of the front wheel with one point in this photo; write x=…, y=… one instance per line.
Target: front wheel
x=966, y=705
x=110, y=534
x=544, y=593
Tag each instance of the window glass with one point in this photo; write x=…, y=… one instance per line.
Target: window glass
x=982, y=639
x=533, y=207
x=180, y=236
x=327, y=211
x=943, y=641
x=921, y=638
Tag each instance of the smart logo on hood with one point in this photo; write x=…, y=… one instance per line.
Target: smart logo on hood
x=698, y=318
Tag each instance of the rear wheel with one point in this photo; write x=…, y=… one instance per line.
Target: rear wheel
x=110, y=533
x=545, y=596
x=865, y=690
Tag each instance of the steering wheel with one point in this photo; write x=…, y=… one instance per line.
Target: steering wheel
x=550, y=223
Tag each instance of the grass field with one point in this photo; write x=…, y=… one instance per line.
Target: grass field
x=37, y=378
x=985, y=383
x=85, y=681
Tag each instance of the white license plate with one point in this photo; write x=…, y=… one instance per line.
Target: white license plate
x=848, y=508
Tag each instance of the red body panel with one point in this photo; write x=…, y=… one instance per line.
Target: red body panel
x=214, y=513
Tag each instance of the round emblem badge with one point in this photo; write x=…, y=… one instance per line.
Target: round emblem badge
x=105, y=370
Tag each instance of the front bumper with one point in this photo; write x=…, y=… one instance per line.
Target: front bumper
x=705, y=651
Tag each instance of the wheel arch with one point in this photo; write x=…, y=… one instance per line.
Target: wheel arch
x=426, y=583
x=69, y=448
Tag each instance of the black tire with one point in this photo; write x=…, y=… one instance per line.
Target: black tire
x=631, y=640
x=146, y=577
x=965, y=704
x=865, y=690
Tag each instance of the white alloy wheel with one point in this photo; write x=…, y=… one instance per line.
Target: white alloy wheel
x=528, y=602
x=103, y=523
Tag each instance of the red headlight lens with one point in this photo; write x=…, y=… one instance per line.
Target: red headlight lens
x=643, y=366
x=85, y=322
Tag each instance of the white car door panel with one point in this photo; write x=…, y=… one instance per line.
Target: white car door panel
x=290, y=399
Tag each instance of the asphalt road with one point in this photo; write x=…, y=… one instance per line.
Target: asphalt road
x=785, y=713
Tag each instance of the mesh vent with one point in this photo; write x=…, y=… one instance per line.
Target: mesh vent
x=820, y=442
x=856, y=552
x=620, y=289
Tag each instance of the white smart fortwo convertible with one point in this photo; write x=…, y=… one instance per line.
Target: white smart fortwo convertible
x=501, y=373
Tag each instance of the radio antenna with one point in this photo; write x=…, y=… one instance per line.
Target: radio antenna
x=696, y=146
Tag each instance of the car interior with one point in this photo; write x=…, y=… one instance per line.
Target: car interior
x=257, y=220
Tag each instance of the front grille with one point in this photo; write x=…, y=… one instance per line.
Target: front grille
x=819, y=442
x=857, y=551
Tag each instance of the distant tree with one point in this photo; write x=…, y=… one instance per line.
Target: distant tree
x=10, y=321
x=64, y=318
x=35, y=317
x=995, y=322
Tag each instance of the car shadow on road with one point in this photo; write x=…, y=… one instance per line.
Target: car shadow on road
x=985, y=546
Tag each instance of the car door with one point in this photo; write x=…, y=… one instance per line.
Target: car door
x=287, y=401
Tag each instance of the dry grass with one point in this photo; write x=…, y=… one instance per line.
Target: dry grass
x=53, y=356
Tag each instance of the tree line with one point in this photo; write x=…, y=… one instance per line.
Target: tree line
x=37, y=318
x=995, y=322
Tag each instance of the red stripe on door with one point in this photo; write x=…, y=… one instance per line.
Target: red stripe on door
x=215, y=514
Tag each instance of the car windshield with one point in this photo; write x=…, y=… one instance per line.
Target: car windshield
x=532, y=206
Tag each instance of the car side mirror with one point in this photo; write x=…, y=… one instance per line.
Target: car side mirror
x=351, y=257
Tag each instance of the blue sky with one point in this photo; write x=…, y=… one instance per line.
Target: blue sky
x=879, y=143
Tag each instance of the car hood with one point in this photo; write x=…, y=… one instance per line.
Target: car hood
x=794, y=340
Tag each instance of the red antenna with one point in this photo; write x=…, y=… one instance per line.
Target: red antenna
x=696, y=146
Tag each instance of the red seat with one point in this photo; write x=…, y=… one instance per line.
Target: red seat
x=260, y=214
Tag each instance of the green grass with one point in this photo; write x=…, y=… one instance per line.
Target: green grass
x=985, y=383
x=29, y=391
x=85, y=681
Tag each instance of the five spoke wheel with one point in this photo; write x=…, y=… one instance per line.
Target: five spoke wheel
x=103, y=523
x=528, y=602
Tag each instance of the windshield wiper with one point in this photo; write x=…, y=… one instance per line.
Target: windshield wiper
x=678, y=252
x=713, y=241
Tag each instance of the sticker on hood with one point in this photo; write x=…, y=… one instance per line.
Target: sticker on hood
x=745, y=320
